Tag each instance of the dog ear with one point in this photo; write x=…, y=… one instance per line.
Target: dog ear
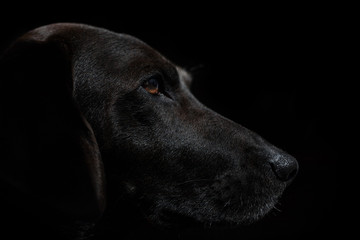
x=51, y=164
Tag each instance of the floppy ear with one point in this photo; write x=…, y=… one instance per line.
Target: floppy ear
x=50, y=161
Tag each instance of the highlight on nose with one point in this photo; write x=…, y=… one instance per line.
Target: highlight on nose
x=285, y=167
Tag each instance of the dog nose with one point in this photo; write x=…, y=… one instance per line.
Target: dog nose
x=285, y=167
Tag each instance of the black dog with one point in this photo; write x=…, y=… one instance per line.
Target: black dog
x=82, y=104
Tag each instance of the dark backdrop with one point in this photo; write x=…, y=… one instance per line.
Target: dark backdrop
x=271, y=73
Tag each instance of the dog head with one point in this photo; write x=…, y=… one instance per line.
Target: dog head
x=127, y=113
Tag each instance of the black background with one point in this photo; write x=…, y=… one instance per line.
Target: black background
x=270, y=70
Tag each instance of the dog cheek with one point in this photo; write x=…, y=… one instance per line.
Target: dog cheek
x=244, y=199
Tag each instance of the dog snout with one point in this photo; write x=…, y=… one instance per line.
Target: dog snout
x=284, y=166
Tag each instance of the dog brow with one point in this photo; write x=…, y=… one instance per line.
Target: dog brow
x=184, y=76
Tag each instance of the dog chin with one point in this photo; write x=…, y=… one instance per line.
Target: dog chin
x=171, y=216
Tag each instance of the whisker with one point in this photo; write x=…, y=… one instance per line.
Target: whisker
x=196, y=68
x=208, y=225
x=192, y=181
x=277, y=209
x=227, y=203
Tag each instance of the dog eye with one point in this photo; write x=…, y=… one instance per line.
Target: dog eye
x=152, y=85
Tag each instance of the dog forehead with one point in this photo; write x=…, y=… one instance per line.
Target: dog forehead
x=138, y=55
x=88, y=40
x=100, y=55
x=119, y=50
x=120, y=46
x=131, y=49
x=103, y=59
x=127, y=45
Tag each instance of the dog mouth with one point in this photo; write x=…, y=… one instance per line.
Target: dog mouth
x=227, y=200
x=213, y=205
x=230, y=216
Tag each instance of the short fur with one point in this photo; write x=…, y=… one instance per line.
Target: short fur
x=83, y=136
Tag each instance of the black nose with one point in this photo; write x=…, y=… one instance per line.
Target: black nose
x=285, y=167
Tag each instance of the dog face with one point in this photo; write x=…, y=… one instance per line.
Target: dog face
x=162, y=150
x=165, y=147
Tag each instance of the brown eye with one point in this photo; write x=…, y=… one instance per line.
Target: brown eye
x=152, y=86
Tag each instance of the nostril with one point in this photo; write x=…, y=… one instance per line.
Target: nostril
x=285, y=168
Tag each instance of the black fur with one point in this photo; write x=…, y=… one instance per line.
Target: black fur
x=78, y=93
